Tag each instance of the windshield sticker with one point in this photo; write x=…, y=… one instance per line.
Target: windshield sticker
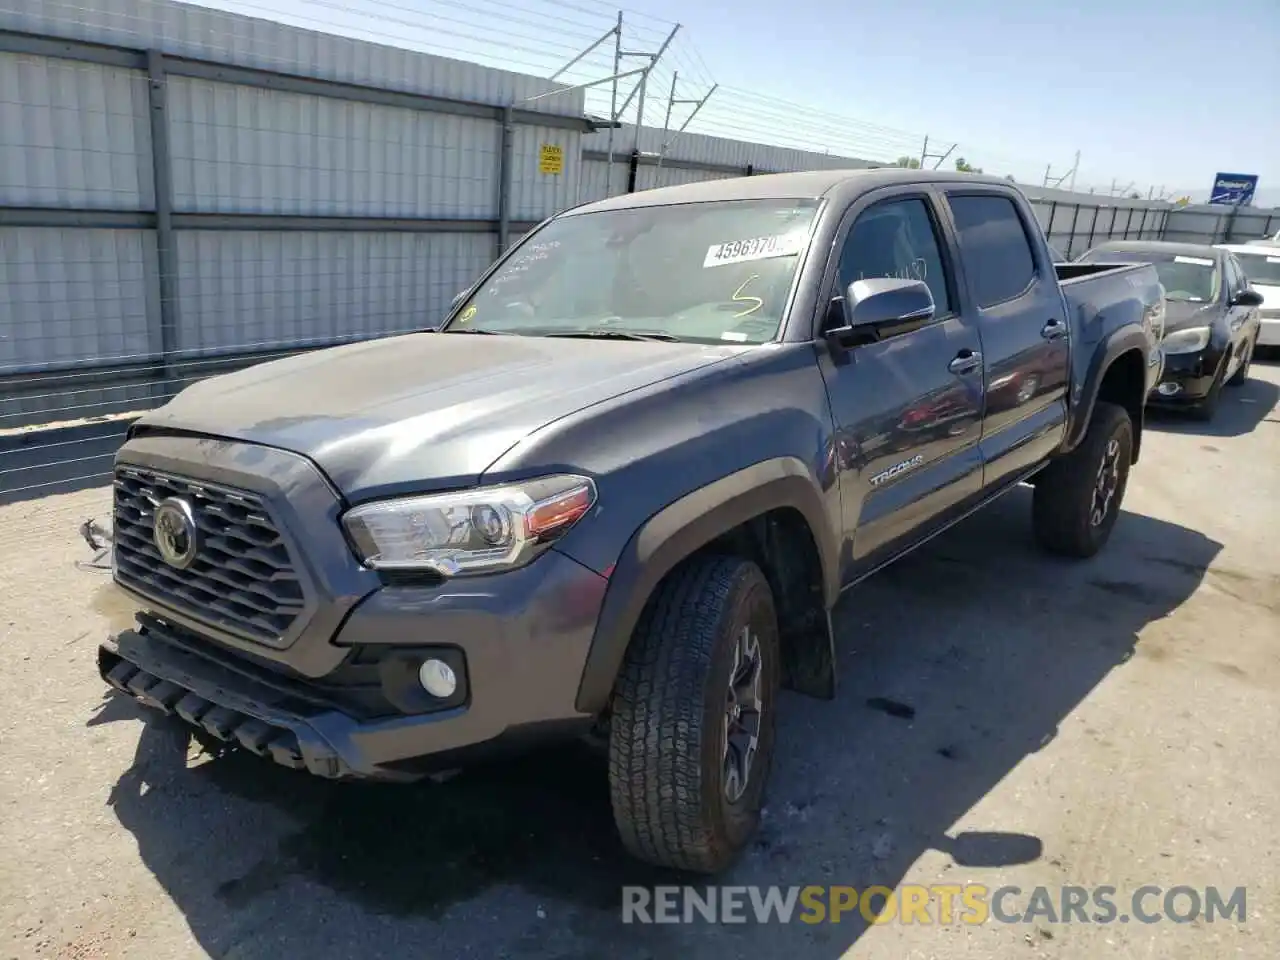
x=738, y=297
x=1198, y=261
x=754, y=248
x=1273, y=259
x=737, y=336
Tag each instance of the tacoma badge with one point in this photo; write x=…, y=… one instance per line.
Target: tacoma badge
x=896, y=469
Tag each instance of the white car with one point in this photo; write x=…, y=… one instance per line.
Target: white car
x=1261, y=264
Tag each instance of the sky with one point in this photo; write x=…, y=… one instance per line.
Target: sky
x=1156, y=95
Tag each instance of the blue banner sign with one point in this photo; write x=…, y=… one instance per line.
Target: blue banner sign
x=1234, y=189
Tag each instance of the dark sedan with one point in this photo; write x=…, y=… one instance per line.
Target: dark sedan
x=1211, y=322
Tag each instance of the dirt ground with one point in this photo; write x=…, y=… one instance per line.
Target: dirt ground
x=1111, y=722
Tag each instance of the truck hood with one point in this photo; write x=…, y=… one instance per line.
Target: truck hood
x=423, y=411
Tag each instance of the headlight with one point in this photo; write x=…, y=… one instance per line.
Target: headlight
x=1192, y=340
x=470, y=531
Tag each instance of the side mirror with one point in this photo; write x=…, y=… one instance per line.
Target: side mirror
x=1248, y=297
x=873, y=309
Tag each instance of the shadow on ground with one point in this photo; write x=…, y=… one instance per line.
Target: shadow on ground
x=1241, y=410
x=957, y=663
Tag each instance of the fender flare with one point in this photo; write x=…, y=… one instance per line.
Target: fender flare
x=1117, y=343
x=677, y=531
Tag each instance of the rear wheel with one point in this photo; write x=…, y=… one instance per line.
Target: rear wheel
x=1077, y=498
x=692, y=729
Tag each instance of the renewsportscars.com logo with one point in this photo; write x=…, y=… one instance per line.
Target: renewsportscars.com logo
x=944, y=904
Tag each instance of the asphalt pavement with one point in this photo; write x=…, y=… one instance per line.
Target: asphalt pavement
x=1003, y=718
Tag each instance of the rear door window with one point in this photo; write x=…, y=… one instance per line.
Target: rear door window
x=997, y=251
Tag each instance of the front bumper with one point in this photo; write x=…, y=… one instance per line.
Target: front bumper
x=340, y=698
x=1186, y=380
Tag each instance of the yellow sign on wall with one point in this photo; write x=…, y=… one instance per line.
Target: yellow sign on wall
x=551, y=159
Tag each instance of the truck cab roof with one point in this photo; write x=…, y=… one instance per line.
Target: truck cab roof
x=812, y=184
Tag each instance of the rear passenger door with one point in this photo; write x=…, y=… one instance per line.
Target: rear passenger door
x=1014, y=292
x=907, y=408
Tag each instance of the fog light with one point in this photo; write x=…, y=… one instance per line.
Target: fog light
x=1168, y=388
x=437, y=678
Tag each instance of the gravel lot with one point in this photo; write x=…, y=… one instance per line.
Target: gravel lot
x=1105, y=723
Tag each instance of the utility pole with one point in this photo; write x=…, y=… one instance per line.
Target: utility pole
x=613, y=105
x=615, y=111
x=671, y=102
x=925, y=155
x=1057, y=181
x=639, y=88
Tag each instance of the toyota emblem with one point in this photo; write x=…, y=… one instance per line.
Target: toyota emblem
x=175, y=532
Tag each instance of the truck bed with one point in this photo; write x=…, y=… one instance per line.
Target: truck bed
x=1099, y=295
x=1091, y=288
x=1071, y=272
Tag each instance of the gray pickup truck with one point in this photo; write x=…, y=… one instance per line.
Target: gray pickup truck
x=619, y=490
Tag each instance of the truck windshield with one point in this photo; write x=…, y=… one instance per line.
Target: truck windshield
x=1190, y=278
x=1261, y=268
x=697, y=272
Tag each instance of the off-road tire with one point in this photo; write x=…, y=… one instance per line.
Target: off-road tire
x=1241, y=376
x=667, y=732
x=1063, y=500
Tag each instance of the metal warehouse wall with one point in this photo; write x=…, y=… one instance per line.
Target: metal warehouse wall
x=184, y=191
x=689, y=157
x=210, y=185
x=1237, y=224
x=1073, y=221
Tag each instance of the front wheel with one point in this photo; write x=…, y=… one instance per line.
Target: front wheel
x=1078, y=496
x=1207, y=409
x=692, y=728
x=1242, y=374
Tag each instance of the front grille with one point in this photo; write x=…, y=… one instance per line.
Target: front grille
x=242, y=579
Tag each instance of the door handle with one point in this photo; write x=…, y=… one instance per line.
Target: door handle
x=966, y=361
x=1053, y=330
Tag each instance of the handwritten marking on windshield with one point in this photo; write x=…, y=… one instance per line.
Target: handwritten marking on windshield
x=739, y=298
x=917, y=269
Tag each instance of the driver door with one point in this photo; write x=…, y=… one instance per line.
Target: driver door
x=907, y=409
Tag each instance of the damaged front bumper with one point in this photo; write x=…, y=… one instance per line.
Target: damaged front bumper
x=271, y=719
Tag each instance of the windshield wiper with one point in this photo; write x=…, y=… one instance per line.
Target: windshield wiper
x=473, y=330
x=616, y=335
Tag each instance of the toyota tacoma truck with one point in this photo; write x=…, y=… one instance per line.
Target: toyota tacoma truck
x=617, y=492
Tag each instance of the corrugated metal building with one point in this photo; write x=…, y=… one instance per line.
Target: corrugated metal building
x=252, y=157
x=179, y=184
